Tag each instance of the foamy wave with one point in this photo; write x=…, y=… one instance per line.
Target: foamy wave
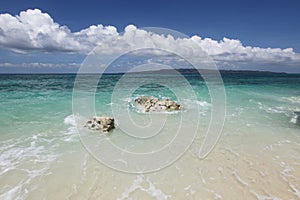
x=71, y=133
x=18, y=155
x=13, y=151
x=276, y=109
x=30, y=158
x=264, y=197
x=287, y=175
x=269, y=109
x=70, y=120
x=151, y=190
x=293, y=99
x=203, y=104
x=294, y=120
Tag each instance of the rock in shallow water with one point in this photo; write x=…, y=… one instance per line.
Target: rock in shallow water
x=297, y=117
x=104, y=123
x=151, y=103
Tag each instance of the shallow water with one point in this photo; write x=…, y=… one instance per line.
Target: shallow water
x=257, y=156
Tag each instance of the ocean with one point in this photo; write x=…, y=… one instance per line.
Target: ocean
x=43, y=155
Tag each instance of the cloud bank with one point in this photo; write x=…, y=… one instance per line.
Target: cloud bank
x=33, y=30
x=39, y=64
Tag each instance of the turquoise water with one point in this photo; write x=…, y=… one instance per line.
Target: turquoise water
x=38, y=139
x=47, y=99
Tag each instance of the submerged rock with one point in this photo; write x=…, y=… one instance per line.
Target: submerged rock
x=155, y=104
x=103, y=123
x=297, y=113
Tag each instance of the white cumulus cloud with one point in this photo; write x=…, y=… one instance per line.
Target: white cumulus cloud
x=33, y=30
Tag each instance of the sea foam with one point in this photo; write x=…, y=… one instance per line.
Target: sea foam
x=71, y=133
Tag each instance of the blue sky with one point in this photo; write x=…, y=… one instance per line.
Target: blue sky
x=262, y=24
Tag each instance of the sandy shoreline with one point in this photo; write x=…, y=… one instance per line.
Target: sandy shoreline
x=234, y=170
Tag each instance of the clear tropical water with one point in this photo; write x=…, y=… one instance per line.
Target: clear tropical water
x=257, y=156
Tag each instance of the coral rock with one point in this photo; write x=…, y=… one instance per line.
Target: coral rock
x=153, y=104
x=103, y=123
